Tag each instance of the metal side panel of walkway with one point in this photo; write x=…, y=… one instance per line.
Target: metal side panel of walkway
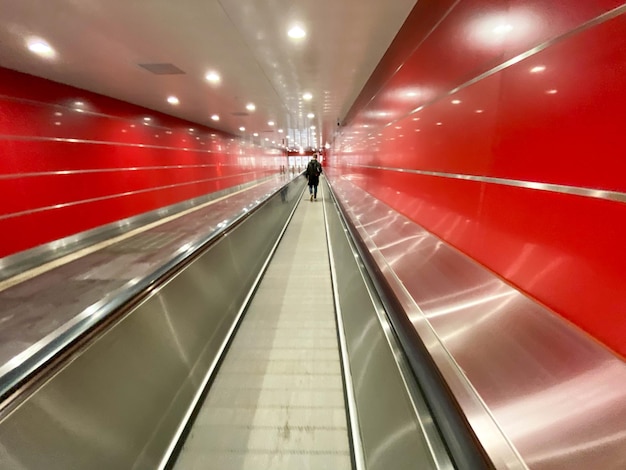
x=277, y=401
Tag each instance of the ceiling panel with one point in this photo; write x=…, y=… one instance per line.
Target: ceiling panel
x=100, y=44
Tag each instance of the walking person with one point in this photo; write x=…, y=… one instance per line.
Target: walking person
x=313, y=172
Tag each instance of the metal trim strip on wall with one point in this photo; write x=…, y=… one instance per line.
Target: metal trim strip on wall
x=604, y=194
x=113, y=196
x=111, y=170
x=101, y=142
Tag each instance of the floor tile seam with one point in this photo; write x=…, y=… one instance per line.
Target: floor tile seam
x=309, y=335
x=247, y=392
x=262, y=333
x=231, y=390
x=301, y=380
x=261, y=348
x=303, y=361
x=275, y=427
x=288, y=348
x=323, y=327
x=280, y=375
x=278, y=371
x=277, y=451
x=284, y=338
x=272, y=375
x=278, y=407
x=271, y=366
x=302, y=344
x=286, y=401
x=306, y=346
x=271, y=355
x=290, y=388
x=295, y=322
x=260, y=356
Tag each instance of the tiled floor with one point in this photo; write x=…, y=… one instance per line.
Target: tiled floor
x=277, y=401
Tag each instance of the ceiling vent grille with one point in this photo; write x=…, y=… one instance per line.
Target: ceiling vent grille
x=162, y=69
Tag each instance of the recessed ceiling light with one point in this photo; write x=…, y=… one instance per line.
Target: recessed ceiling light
x=296, y=32
x=456, y=101
x=215, y=117
x=310, y=115
x=307, y=96
x=538, y=68
x=40, y=47
x=242, y=129
x=250, y=107
x=503, y=29
x=256, y=134
x=552, y=92
x=173, y=100
x=212, y=77
x=280, y=131
x=270, y=123
x=147, y=119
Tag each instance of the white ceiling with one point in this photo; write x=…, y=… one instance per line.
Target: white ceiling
x=99, y=44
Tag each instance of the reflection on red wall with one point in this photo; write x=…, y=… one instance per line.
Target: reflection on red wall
x=73, y=160
x=477, y=102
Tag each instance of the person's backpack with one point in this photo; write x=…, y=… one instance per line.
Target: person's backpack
x=314, y=168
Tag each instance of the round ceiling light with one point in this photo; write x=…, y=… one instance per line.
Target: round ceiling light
x=296, y=32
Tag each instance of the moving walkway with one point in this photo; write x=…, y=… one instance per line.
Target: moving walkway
x=264, y=344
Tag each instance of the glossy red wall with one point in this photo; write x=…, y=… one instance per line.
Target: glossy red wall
x=478, y=100
x=73, y=160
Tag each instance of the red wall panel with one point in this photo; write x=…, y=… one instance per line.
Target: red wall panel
x=73, y=160
x=489, y=127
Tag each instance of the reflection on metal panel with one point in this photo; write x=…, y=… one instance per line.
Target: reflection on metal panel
x=396, y=427
x=44, y=313
x=522, y=374
x=121, y=400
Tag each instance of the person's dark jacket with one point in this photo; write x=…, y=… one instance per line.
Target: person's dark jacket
x=313, y=172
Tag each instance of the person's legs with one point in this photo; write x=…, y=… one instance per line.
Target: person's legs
x=315, y=192
x=311, y=191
